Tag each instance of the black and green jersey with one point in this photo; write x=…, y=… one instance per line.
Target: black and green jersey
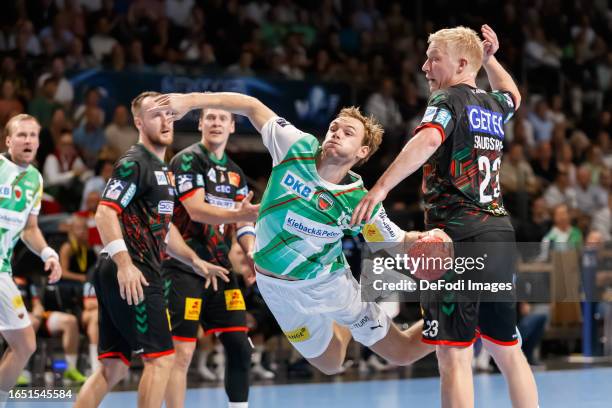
x=461, y=180
x=141, y=190
x=224, y=184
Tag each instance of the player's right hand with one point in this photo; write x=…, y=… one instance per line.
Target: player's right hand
x=130, y=281
x=210, y=272
x=177, y=104
x=248, y=212
x=490, y=43
x=366, y=206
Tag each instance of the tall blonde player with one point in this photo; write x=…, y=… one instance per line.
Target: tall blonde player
x=20, y=195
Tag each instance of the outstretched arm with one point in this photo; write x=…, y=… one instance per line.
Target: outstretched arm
x=252, y=108
x=416, y=152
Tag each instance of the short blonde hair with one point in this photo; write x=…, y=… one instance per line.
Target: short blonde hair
x=373, y=130
x=12, y=122
x=137, y=101
x=461, y=42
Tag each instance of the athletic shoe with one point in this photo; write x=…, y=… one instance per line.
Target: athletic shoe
x=206, y=373
x=24, y=379
x=260, y=372
x=74, y=375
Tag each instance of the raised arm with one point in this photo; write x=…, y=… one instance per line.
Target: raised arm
x=240, y=104
x=499, y=78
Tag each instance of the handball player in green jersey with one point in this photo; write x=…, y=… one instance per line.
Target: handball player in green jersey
x=21, y=187
x=306, y=209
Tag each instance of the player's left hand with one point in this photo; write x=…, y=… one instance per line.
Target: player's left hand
x=54, y=268
x=367, y=204
x=490, y=43
x=177, y=104
x=438, y=233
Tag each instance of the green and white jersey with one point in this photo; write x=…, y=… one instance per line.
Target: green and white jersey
x=302, y=217
x=20, y=195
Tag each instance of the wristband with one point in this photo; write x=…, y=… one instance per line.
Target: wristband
x=246, y=230
x=114, y=247
x=47, y=253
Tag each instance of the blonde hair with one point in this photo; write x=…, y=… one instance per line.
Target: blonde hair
x=373, y=130
x=137, y=101
x=12, y=122
x=461, y=42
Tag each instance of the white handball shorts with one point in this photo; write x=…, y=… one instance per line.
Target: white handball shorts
x=306, y=310
x=13, y=313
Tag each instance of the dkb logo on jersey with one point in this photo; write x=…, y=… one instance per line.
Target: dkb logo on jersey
x=298, y=185
x=5, y=191
x=485, y=121
x=324, y=201
x=234, y=300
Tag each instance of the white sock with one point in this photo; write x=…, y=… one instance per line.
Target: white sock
x=203, y=358
x=256, y=356
x=71, y=359
x=238, y=404
x=93, y=357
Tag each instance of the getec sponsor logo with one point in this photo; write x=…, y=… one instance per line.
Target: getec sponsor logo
x=297, y=185
x=309, y=229
x=165, y=207
x=485, y=121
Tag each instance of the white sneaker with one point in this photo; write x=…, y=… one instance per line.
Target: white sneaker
x=376, y=365
x=206, y=373
x=260, y=372
x=363, y=367
x=219, y=362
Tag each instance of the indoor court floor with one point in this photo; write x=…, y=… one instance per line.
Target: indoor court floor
x=587, y=387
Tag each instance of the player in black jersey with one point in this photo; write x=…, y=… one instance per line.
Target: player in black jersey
x=212, y=210
x=459, y=144
x=138, y=204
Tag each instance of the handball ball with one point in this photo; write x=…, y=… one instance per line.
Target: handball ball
x=431, y=253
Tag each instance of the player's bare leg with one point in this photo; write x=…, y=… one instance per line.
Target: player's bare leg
x=101, y=382
x=457, y=386
x=90, y=321
x=152, y=387
x=513, y=365
x=403, y=347
x=177, y=384
x=330, y=362
x=21, y=346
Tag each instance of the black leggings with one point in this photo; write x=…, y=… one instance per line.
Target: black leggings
x=237, y=365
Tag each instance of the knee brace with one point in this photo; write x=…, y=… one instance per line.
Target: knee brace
x=238, y=350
